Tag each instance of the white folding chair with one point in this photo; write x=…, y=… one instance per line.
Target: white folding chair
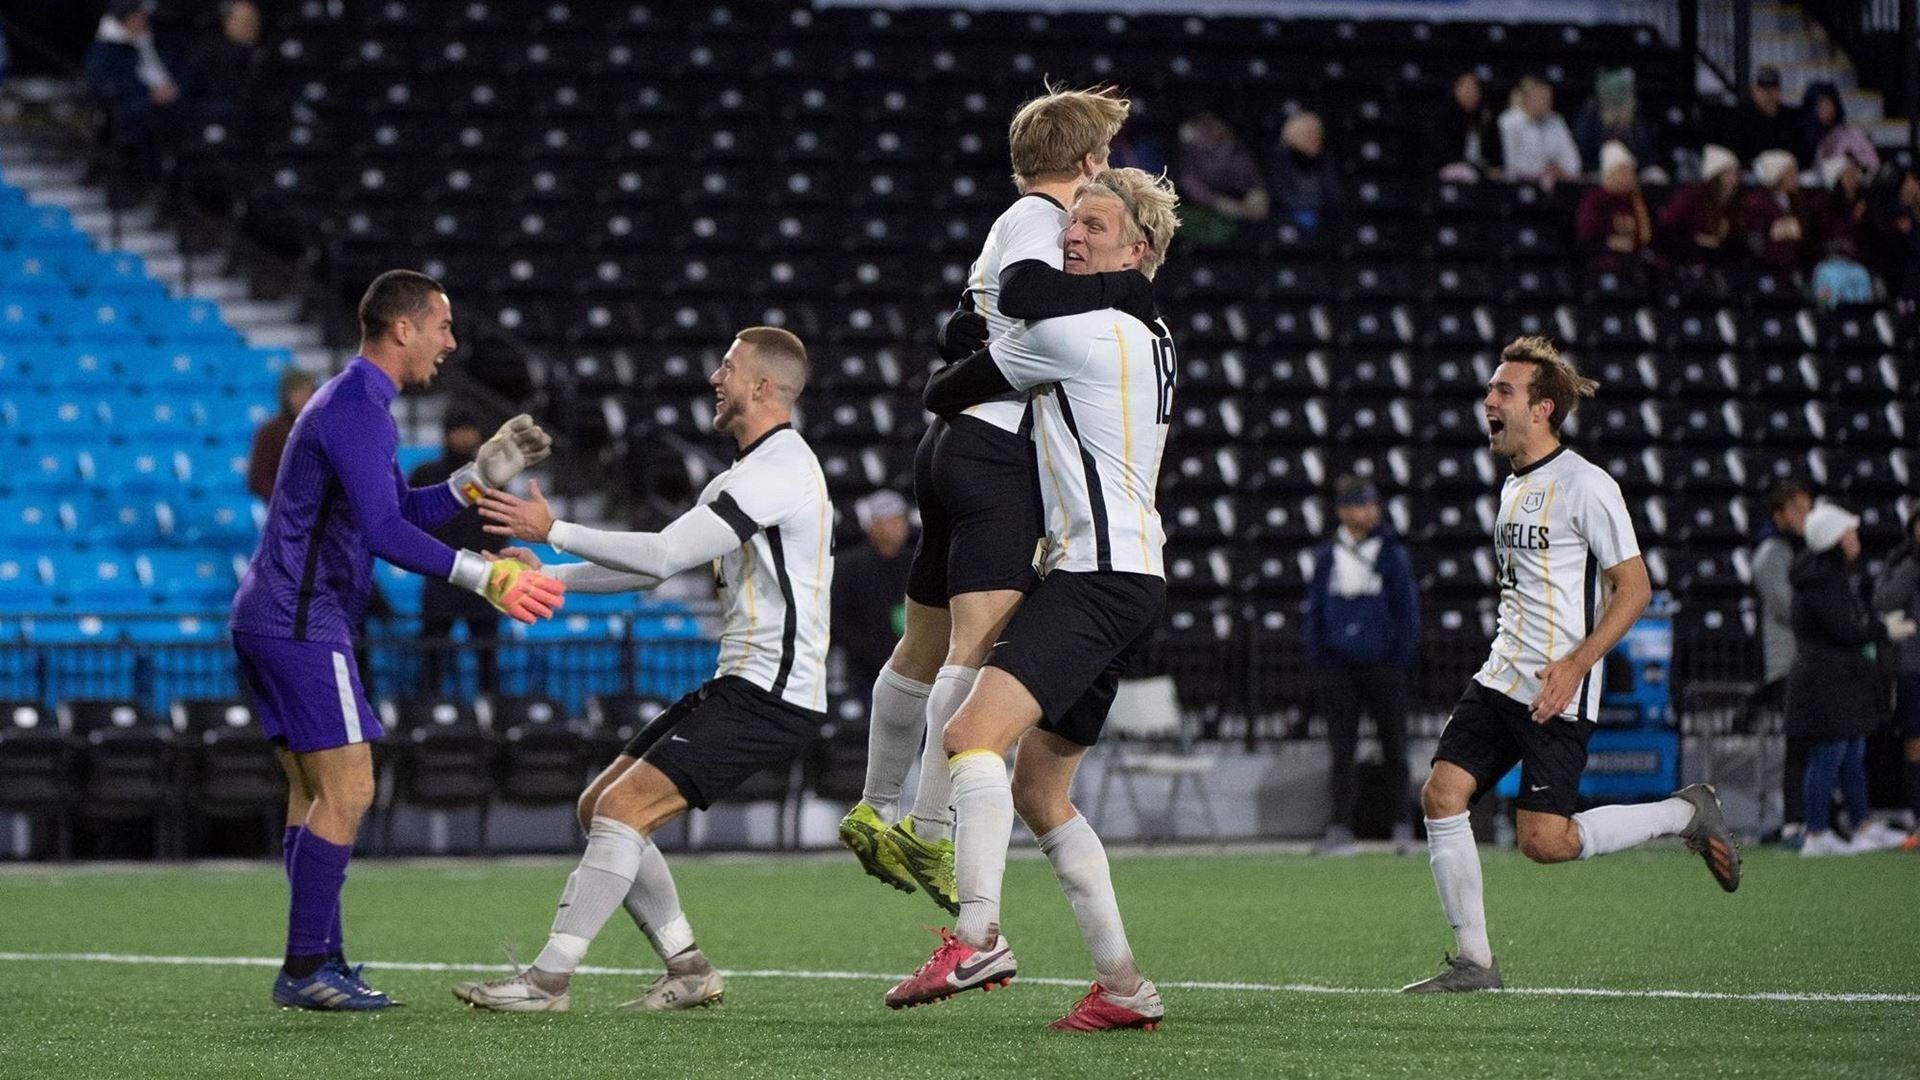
x=1149, y=738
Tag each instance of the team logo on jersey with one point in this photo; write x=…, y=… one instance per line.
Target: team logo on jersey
x=1532, y=503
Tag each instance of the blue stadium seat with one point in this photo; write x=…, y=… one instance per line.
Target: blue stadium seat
x=115, y=518
x=36, y=523
x=228, y=522
x=59, y=419
x=189, y=578
x=79, y=371
x=215, y=469
x=23, y=585
x=96, y=583
x=401, y=588
x=159, y=421
x=44, y=471
x=131, y=468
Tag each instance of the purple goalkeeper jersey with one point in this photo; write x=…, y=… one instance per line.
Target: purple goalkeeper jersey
x=339, y=501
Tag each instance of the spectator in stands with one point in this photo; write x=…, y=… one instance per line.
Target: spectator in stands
x=1534, y=140
x=1840, y=211
x=1362, y=627
x=1463, y=138
x=1613, y=226
x=1898, y=589
x=1763, y=122
x=1826, y=132
x=5, y=57
x=263, y=461
x=1137, y=148
x=1778, y=217
x=1781, y=542
x=223, y=67
x=443, y=604
x=1893, y=224
x=1840, y=278
x=1220, y=185
x=1833, y=692
x=125, y=71
x=1700, y=219
x=1612, y=116
x=1306, y=183
x=870, y=588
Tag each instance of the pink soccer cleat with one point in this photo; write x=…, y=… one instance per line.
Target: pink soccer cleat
x=953, y=967
x=1103, y=1010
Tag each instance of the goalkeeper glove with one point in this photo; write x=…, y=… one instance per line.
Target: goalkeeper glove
x=519, y=444
x=526, y=595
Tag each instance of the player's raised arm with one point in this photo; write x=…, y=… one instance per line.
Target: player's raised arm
x=698, y=536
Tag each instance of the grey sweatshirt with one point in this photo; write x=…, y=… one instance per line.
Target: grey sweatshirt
x=1772, y=561
x=1899, y=590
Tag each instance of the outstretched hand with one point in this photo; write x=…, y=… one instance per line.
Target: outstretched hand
x=527, y=519
x=520, y=555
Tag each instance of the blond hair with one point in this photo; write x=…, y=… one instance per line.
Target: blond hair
x=1150, y=203
x=1555, y=378
x=1052, y=134
x=782, y=355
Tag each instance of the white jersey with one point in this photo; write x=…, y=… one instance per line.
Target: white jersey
x=1562, y=522
x=1102, y=386
x=776, y=587
x=1029, y=229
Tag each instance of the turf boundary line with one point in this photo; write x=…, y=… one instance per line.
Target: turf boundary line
x=1809, y=997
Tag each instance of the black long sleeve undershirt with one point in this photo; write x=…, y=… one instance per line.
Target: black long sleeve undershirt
x=1030, y=289
x=965, y=383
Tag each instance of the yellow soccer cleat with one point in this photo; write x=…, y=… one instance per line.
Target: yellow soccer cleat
x=861, y=831
x=929, y=861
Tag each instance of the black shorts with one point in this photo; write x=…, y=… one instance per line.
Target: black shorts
x=980, y=521
x=709, y=742
x=1490, y=732
x=1072, y=638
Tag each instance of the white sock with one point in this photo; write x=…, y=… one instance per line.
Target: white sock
x=1607, y=829
x=899, y=715
x=595, y=890
x=1456, y=875
x=1080, y=862
x=983, y=826
x=654, y=903
x=933, y=802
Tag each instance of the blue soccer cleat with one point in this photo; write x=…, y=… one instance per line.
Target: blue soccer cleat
x=333, y=988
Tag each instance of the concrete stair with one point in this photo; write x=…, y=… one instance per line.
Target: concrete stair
x=1785, y=37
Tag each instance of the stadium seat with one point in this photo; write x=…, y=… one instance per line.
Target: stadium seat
x=442, y=758
x=130, y=769
x=38, y=768
x=229, y=770
x=543, y=757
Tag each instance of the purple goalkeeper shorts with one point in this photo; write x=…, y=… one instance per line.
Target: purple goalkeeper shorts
x=306, y=694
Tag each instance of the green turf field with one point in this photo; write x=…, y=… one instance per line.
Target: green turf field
x=1634, y=922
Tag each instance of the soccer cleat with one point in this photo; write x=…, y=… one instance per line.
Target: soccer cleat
x=861, y=832
x=355, y=975
x=1337, y=840
x=328, y=989
x=516, y=993
x=1823, y=843
x=672, y=993
x=1707, y=835
x=1912, y=842
x=954, y=967
x=1103, y=1010
x=1458, y=975
x=930, y=862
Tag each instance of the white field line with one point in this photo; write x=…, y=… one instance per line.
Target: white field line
x=873, y=976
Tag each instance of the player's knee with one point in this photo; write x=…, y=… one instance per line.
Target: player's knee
x=1548, y=848
x=585, y=808
x=347, y=798
x=1438, y=801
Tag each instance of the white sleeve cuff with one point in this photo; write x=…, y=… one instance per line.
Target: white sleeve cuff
x=469, y=571
x=558, y=535
x=466, y=485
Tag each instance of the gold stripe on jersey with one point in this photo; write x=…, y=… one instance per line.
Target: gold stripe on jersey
x=1546, y=567
x=1519, y=609
x=819, y=575
x=753, y=613
x=1046, y=458
x=1126, y=446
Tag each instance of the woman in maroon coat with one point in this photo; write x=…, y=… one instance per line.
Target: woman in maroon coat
x=1613, y=227
x=1779, y=216
x=1700, y=224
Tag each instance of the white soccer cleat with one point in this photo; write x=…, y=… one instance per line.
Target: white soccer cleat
x=515, y=994
x=673, y=993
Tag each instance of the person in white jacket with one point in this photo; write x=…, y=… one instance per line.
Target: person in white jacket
x=1534, y=139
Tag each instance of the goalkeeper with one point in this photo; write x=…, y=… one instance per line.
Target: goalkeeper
x=339, y=501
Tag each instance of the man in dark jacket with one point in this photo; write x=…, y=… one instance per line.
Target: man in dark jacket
x=125, y=72
x=870, y=586
x=1898, y=589
x=1834, y=697
x=1363, y=622
x=1763, y=122
x=442, y=604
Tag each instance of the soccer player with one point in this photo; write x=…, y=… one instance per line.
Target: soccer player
x=338, y=501
x=976, y=482
x=767, y=527
x=1571, y=584
x=1102, y=386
